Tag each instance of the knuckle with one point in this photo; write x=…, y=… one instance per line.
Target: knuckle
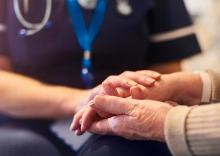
x=125, y=73
x=116, y=125
x=133, y=107
x=97, y=98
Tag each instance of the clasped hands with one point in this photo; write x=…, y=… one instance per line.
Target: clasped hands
x=134, y=105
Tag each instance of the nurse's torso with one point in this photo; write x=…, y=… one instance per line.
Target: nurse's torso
x=53, y=55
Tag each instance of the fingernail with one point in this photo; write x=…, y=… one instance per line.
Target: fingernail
x=136, y=93
x=156, y=75
x=149, y=80
x=131, y=83
x=71, y=127
x=91, y=103
x=82, y=128
x=78, y=132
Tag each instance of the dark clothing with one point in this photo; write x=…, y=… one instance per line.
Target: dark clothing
x=17, y=141
x=124, y=43
x=111, y=146
x=53, y=55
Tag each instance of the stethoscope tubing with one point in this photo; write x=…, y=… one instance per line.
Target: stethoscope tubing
x=33, y=28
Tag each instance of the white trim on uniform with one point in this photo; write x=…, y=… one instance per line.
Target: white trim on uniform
x=171, y=35
x=2, y=27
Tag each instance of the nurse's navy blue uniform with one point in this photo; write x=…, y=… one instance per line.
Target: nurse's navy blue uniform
x=157, y=31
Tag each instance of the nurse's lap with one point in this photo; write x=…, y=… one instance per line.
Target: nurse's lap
x=116, y=146
x=23, y=142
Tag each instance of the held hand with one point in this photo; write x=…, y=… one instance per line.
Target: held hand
x=181, y=87
x=121, y=85
x=133, y=119
x=115, y=86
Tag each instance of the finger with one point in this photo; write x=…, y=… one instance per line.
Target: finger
x=137, y=93
x=101, y=114
x=109, y=90
x=119, y=81
x=75, y=123
x=112, y=105
x=112, y=90
x=76, y=119
x=101, y=127
x=90, y=115
x=153, y=74
x=87, y=118
x=123, y=92
x=140, y=92
x=96, y=91
x=112, y=126
x=172, y=103
x=78, y=132
x=140, y=78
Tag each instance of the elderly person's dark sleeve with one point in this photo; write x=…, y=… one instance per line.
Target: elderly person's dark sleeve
x=171, y=30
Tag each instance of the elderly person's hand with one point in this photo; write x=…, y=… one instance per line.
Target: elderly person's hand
x=116, y=86
x=181, y=87
x=132, y=119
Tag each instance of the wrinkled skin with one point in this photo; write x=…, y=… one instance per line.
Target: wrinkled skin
x=171, y=88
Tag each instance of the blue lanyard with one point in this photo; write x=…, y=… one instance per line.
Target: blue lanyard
x=86, y=36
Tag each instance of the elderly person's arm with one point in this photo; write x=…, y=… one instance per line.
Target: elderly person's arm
x=195, y=130
x=187, y=130
x=181, y=87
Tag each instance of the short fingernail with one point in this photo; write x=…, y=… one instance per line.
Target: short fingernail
x=149, y=80
x=82, y=128
x=71, y=127
x=78, y=132
x=91, y=103
x=131, y=83
x=135, y=93
x=156, y=75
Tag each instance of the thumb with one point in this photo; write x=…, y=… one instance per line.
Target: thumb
x=112, y=105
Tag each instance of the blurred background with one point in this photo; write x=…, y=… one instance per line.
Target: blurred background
x=206, y=17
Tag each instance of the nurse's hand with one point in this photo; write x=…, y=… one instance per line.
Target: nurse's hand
x=115, y=86
x=131, y=119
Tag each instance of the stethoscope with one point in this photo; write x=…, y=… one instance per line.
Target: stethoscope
x=123, y=7
x=84, y=33
x=31, y=28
